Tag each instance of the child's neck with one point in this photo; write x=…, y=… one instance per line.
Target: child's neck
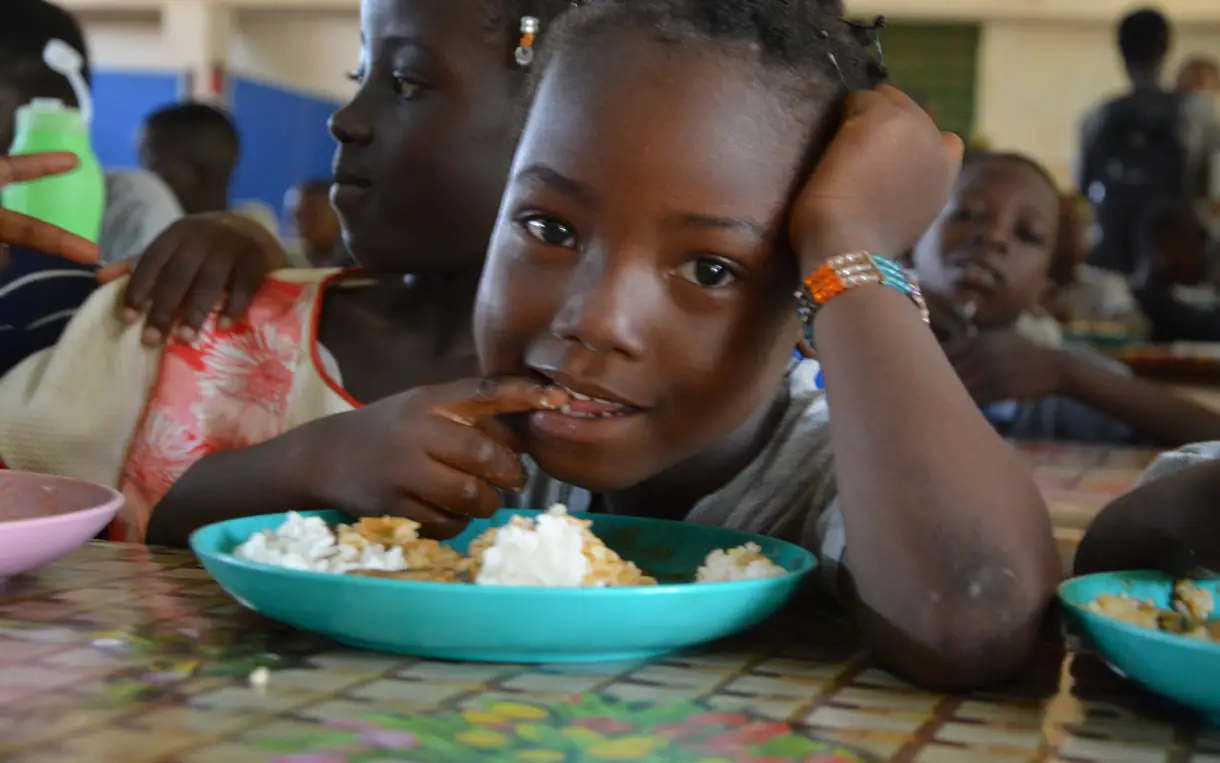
x=673, y=493
x=396, y=333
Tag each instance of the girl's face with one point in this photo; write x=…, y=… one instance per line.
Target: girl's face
x=638, y=257
x=993, y=242
x=425, y=144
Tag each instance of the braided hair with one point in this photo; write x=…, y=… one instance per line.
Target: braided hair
x=820, y=53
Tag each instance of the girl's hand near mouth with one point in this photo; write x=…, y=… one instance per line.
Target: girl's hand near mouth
x=439, y=455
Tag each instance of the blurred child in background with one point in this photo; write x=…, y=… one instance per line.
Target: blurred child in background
x=317, y=236
x=986, y=262
x=1174, y=280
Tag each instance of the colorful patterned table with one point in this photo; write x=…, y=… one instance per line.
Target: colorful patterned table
x=122, y=653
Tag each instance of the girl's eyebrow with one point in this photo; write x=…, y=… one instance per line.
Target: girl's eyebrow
x=406, y=41
x=695, y=220
x=559, y=182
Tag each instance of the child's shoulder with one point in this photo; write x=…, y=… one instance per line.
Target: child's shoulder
x=1175, y=461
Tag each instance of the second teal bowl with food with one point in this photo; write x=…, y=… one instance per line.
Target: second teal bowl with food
x=517, y=624
x=1178, y=667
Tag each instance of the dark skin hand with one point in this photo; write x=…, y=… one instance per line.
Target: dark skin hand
x=26, y=232
x=1002, y=365
x=442, y=460
x=1171, y=525
x=215, y=261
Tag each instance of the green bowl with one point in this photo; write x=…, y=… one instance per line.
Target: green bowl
x=522, y=625
x=1176, y=667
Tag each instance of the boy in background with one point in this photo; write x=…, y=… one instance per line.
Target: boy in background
x=1149, y=147
x=194, y=148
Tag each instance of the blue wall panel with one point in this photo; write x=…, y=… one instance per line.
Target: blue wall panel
x=285, y=140
x=284, y=135
x=121, y=102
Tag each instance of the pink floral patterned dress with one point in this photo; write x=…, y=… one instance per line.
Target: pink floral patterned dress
x=102, y=407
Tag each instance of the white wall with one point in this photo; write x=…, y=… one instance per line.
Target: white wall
x=1036, y=80
x=309, y=52
x=130, y=42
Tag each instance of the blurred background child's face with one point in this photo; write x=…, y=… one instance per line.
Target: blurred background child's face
x=992, y=245
x=1180, y=243
x=1199, y=76
x=314, y=219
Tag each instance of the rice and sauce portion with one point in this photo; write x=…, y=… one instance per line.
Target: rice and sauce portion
x=552, y=550
x=1189, y=614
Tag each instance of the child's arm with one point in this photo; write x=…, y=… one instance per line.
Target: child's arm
x=1149, y=410
x=1170, y=523
x=949, y=549
x=407, y=455
x=1001, y=365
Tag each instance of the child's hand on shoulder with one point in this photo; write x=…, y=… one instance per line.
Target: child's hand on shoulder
x=439, y=455
x=1001, y=364
x=201, y=263
x=883, y=180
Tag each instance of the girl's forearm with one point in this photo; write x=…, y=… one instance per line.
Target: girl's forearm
x=269, y=478
x=949, y=543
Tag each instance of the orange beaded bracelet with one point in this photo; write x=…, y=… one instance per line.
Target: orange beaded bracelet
x=850, y=271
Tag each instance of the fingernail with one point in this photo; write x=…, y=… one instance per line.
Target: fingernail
x=224, y=323
x=186, y=334
x=131, y=315
x=151, y=337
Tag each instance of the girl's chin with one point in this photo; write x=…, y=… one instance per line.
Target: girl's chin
x=595, y=454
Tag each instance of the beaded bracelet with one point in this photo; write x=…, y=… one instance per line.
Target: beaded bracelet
x=850, y=271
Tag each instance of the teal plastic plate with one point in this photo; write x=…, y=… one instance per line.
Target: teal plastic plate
x=524, y=625
x=1179, y=668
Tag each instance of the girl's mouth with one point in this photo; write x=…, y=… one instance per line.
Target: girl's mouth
x=583, y=406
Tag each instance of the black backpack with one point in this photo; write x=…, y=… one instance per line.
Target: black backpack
x=1136, y=162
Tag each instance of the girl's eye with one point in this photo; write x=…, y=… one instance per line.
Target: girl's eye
x=707, y=273
x=1030, y=236
x=408, y=87
x=550, y=231
x=967, y=214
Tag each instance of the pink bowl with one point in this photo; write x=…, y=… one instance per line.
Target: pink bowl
x=44, y=518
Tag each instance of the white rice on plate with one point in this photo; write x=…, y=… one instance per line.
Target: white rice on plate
x=308, y=543
x=742, y=563
x=553, y=550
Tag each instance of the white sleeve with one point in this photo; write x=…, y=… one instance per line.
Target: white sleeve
x=139, y=207
x=72, y=409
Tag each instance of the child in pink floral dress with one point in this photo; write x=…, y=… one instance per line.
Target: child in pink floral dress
x=416, y=195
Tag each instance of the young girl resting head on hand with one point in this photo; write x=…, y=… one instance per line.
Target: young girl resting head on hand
x=635, y=324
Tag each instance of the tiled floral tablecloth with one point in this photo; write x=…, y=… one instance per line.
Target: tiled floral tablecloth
x=127, y=654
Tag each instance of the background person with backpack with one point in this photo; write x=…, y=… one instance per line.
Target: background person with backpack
x=1144, y=149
